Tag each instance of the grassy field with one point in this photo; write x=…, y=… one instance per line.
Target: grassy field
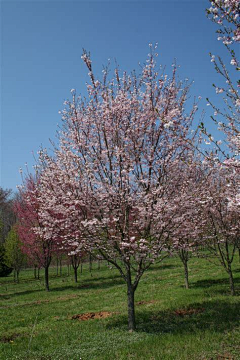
x=172, y=323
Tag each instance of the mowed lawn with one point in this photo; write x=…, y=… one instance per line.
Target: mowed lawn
x=172, y=322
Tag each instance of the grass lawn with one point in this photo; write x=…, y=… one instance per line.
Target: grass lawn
x=172, y=322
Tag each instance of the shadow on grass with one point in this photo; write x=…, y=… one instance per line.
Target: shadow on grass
x=86, y=284
x=206, y=283
x=102, y=278
x=161, y=267
x=216, y=316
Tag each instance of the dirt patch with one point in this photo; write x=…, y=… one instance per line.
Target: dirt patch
x=91, y=315
x=191, y=311
x=225, y=357
x=143, y=302
x=9, y=338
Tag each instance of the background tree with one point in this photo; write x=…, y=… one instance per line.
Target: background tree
x=220, y=216
x=7, y=215
x=13, y=253
x=36, y=236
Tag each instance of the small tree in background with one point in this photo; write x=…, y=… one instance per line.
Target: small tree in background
x=13, y=252
x=7, y=216
x=218, y=203
x=37, y=238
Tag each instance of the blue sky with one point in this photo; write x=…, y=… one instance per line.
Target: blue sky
x=41, y=47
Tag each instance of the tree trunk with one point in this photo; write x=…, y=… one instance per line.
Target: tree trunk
x=46, y=278
x=35, y=272
x=75, y=274
x=231, y=281
x=186, y=274
x=98, y=264
x=57, y=266
x=90, y=263
x=60, y=263
x=17, y=276
x=131, y=309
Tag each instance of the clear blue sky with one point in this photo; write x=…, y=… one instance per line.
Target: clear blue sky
x=41, y=46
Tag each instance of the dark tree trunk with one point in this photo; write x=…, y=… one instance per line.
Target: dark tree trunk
x=35, y=271
x=75, y=264
x=75, y=274
x=90, y=263
x=60, y=263
x=47, y=278
x=131, y=308
x=17, y=276
x=98, y=264
x=57, y=266
x=231, y=281
x=186, y=274
x=184, y=256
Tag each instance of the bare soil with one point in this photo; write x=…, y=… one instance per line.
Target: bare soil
x=92, y=315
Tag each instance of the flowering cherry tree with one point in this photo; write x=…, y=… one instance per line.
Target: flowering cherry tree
x=218, y=202
x=187, y=231
x=111, y=185
x=225, y=13
x=63, y=207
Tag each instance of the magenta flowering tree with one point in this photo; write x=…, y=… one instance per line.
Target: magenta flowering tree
x=27, y=218
x=39, y=238
x=112, y=183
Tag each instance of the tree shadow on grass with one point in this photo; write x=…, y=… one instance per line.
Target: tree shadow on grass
x=216, y=316
x=163, y=267
x=86, y=284
x=102, y=278
x=236, y=271
x=206, y=283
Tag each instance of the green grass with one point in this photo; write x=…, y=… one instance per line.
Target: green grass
x=35, y=324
